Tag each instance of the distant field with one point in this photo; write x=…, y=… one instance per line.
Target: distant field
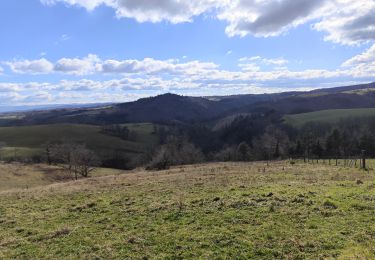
x=23, y=176
x=330, y=116
x=210, y=211
x=25, y=141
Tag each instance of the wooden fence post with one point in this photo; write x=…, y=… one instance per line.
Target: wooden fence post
x=364, y=159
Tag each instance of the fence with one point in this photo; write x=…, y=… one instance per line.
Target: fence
x=352, y=161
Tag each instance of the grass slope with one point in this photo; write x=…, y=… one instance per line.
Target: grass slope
x=24, y=176
x=25, y=141
x=330, y=116
x=223, y=210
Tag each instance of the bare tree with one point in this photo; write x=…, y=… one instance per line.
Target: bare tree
x=273, y=144
x=74, y=158
x=2, y=145
x=243, y=151
x=228, y=153
x=176, y=151
x=62, y=154
x=48, y=152
x=84, y=161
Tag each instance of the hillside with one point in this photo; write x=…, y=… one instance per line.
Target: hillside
x=18, y=176
x=223, y=210
x=328, y=116
x=310, y=103
x=28, y=141
x=169, y=108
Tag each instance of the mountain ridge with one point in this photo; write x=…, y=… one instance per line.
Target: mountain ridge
x=167, y=108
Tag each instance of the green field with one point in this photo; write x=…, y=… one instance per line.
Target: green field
x=329, y=116
x=209, y=211
x=26, y=141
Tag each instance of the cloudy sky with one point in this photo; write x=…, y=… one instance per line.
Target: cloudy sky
x=84, y=51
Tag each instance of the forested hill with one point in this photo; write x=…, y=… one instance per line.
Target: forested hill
x=175, y=108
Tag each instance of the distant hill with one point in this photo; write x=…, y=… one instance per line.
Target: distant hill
x=175, y=108
x=328, y=116
x=170, y=107
x=29, y=141
x=14, y=109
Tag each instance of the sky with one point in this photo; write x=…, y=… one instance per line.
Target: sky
x=93, y=51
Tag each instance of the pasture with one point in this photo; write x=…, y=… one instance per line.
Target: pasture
x=18, y=176
x=328, y=116
x=28, y=141
x=217, y=210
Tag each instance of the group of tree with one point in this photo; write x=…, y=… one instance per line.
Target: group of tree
x=176, y=151
x=120, y=131
x=76, y=159
x=263, y=136
x=257, y=136
x=343, y=140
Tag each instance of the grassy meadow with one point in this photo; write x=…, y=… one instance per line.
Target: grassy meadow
x=218, y=210
x=18, y=176
x=328, y=116
x=27, y=141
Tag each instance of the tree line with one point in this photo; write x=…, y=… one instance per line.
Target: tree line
x=265, y=137
x=252, y=137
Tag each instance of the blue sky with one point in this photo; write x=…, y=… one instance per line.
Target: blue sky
x=83, y=51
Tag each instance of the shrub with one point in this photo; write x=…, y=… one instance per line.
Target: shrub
x=175, y=152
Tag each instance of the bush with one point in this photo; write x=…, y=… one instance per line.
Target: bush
x=175, y=152
x=226, y=154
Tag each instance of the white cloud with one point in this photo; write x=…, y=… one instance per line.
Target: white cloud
x=92, y=64
x=10, y=98
x=258, y=59
x=39, y=96
x=249, y=67
x=31, y=66
x=366, y=57
x=9, y=87
x=152, y=66
x=174, y=11
x=252, y=68
x=344, y=21
x=267, y=17
x=88, y=4
x=77, y=66
x=148, y=65
x=362, y=65
x=155, y=76
x=64, y=37
x=349, y=22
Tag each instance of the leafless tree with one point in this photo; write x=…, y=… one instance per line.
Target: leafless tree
x=84, y=161
x=243, y=152
x=2, y=145
x=228, y=153
x=273, y=144
x=74, y=158
x=176, y=151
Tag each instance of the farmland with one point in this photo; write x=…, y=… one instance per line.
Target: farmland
x=328, y=116
x=216, y=210
x=26, y=141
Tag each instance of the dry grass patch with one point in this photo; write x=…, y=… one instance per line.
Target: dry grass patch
x=218, y=210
